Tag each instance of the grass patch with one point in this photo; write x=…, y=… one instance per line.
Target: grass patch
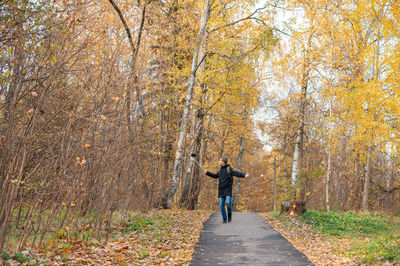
x=275, y=214
x=372, y=238
x=5, y=256
x=378, y=249
x=20, y=257
x=346, y=224
x=141, y=222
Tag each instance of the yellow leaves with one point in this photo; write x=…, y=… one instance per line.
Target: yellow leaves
x=365, y=107
x=80, y=161
x=120, y=257
x=354, y=55
x=72, y=204
x=115, y=99
x=87, y=146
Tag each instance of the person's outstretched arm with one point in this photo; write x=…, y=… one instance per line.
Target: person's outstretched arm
x=239, y=174
x=211, y=174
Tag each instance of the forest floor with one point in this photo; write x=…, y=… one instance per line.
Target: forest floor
x=169, y=237
x=160, y=237
x=333, y=238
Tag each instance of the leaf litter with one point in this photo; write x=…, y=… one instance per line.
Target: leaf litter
x=160, y=237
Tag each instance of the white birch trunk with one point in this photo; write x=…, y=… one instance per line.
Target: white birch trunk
x=328, y=177
x=296, y=158
x=166, y=203
x=328, y=172
x=275, y=182
x=298, y=148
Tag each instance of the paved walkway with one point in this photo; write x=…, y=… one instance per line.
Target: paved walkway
x=247, y=240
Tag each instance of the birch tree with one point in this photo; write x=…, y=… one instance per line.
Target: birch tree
x=196, y=62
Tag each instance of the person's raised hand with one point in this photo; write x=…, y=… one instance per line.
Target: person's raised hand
x=247, y=175
x=205, y=172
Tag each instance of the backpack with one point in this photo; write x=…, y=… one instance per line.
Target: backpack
x=228, y=169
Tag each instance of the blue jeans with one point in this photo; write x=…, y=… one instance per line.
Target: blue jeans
x=228, y=200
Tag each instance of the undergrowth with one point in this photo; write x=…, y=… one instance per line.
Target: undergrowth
x=346, y=223
x=373, y=238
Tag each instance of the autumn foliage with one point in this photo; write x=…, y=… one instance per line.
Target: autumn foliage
x=102, y=102
x=91, y=100
x=336, y=105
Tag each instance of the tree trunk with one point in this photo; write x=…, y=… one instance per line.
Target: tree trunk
x=275, y=182
x=296, y=162
x=298, y=149
x=225, y=135
x=239, y=166
x=191, y=185
x=364, y=206
x=328, y=175
x=284, y=162
x=191, y=180
x=166, y=202
x=328, y=172
x=186, y=180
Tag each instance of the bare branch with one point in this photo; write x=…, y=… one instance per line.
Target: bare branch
x=128, y=32
x=216, y=101
x=136, y=48
x=238, y=21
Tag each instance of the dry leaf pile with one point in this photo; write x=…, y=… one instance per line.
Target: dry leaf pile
x=162, y=237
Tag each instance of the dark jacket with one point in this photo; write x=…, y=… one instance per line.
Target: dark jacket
x=225, y=180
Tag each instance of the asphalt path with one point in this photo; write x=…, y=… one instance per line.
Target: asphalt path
x=247, y=240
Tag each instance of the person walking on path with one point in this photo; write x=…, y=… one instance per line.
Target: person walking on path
x=225, y=175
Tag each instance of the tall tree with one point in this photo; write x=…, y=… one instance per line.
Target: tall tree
x=196, y=62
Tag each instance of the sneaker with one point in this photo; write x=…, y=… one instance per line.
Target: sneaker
x=229, y=217
x=224, y=221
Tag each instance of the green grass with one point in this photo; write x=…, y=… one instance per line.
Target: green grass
x=378, y=249
x=140, y=222
x=274, y=214
x=346, y=223
x=4, y=255
x=375, y=238
x=18, y=256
